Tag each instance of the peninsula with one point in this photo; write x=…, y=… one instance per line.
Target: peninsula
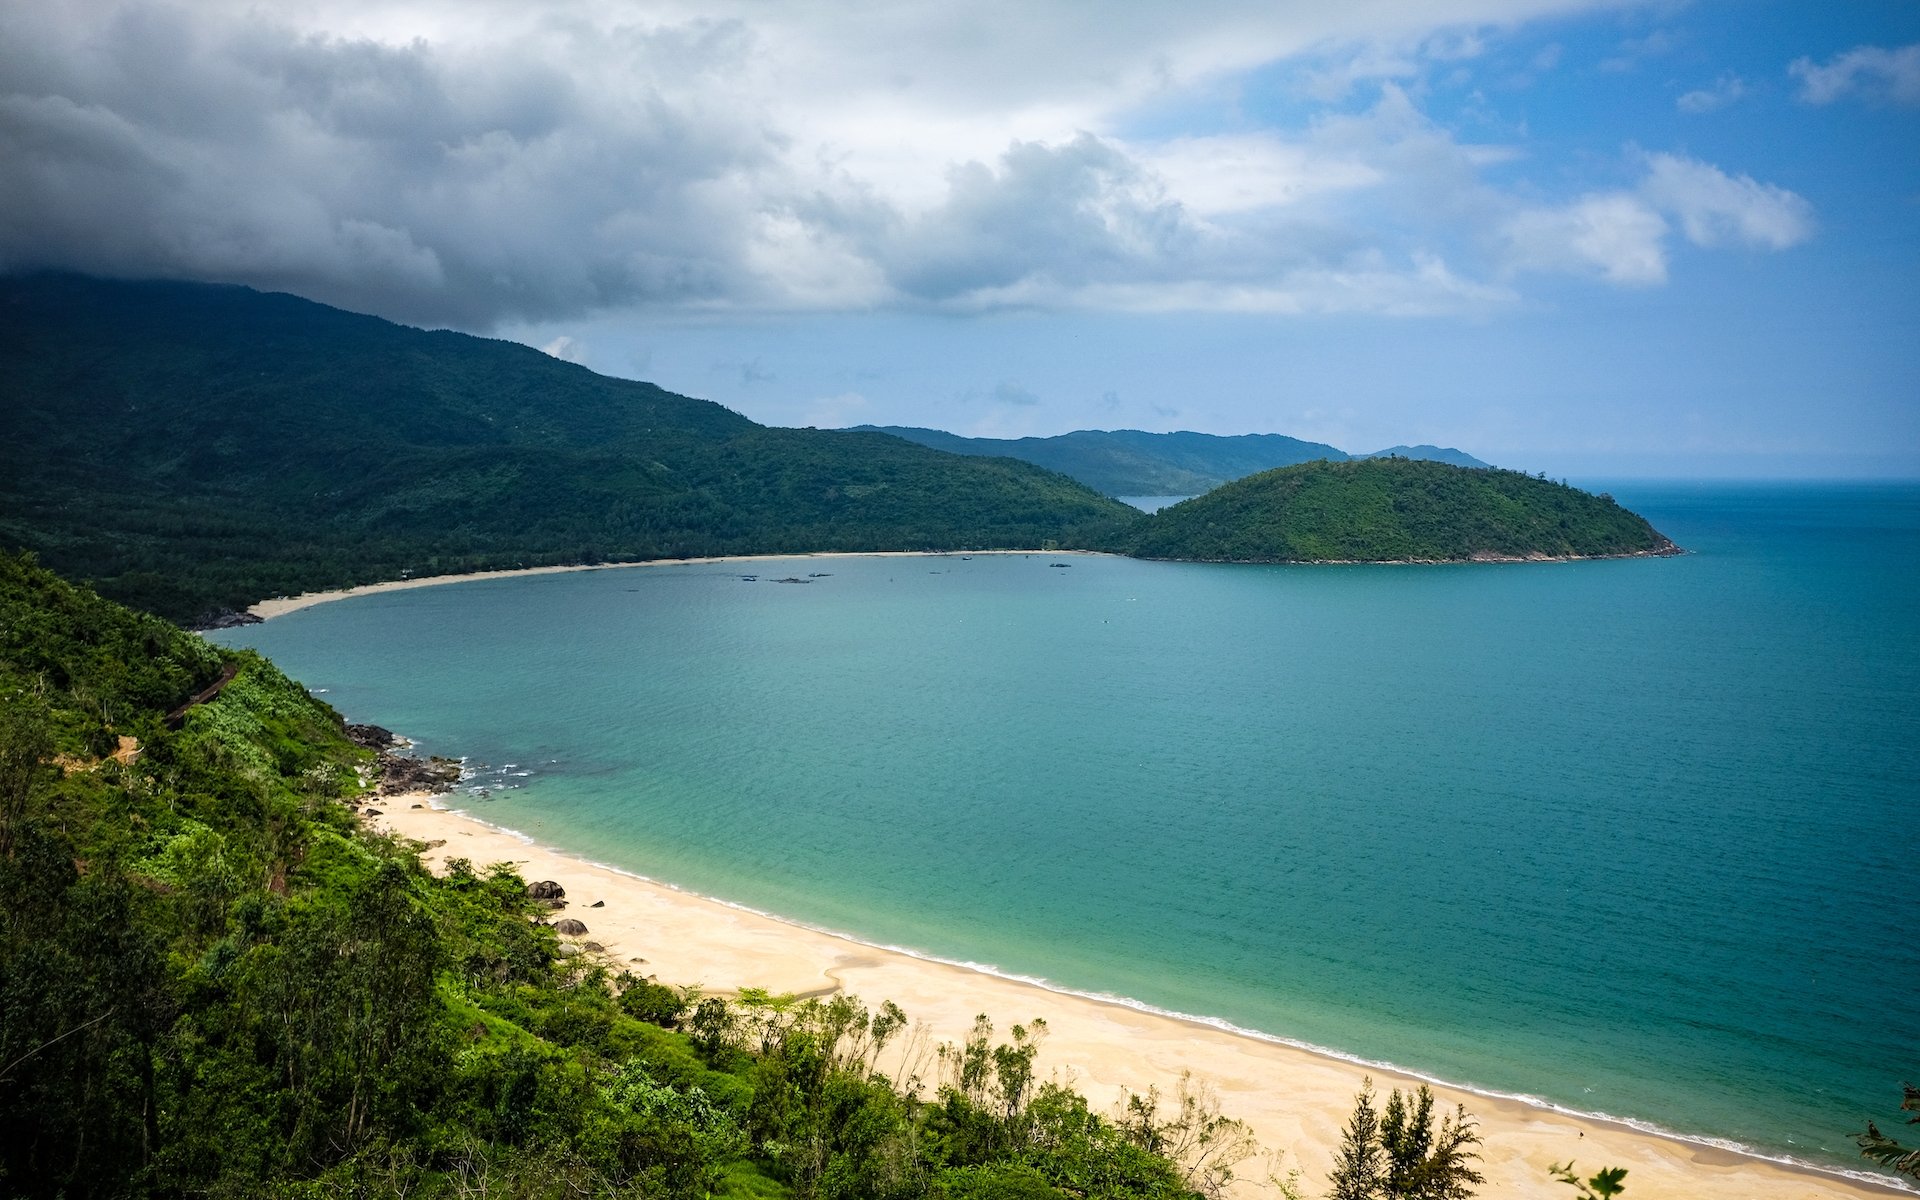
x=1393, y=510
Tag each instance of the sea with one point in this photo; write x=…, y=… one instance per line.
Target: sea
x=1632, y=837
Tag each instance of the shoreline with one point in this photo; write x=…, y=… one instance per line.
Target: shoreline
x=280, y=606
x=1295, y=1096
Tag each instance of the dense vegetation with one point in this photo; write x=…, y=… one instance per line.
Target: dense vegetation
x=188, y=447
x=213, y=984
x=1391, y=509
x=1129, y=462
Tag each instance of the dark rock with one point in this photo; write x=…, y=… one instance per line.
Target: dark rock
x=546, y=889
x=371, y=812
x=371, y=737
x=570, y=927
x=224, y=618
x=596, y=947
x=598, y=904
x=402, y=773
x=419, y=806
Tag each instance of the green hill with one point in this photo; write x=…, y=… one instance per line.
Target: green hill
x=1130, y=462
x=215, y=982
x=1392, y=510
x=190, y=447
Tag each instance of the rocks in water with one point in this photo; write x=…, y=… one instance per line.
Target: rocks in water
x=793, y=579
x=371, y=737
x=546, y=889
x=598, y=904
x=400, y=773
x=570, y=927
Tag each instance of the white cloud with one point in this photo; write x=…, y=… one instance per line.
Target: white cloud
x=1715, y=208
x=474, y=162
x=1621, y=236
x=1873, y=72
x=1616, y=235
x=1722, y=92
x=566, y=348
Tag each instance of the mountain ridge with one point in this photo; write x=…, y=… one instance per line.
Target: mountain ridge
x=1134, y=462
x=192, y=447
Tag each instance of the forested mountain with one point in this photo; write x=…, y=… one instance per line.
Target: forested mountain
x=1445, y=454
x=188, y=447
x=1392, y=510
x=1130, y=462
x=214, y=983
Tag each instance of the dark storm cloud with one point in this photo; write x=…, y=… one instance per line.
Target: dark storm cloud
x=396, y=179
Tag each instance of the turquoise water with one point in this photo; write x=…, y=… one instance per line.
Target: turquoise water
x=1634, y=837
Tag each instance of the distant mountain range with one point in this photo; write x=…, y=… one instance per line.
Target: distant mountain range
x=188, y=447
x=1131, y=462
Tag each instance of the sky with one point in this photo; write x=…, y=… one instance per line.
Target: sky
x=1587, y=237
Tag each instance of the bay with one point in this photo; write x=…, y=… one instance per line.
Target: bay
x=1632, y=837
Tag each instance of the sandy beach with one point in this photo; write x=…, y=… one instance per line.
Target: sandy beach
x=1294, y=1099
x=280, y=606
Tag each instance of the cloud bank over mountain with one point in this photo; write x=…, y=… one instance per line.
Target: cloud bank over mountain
x=472, y=164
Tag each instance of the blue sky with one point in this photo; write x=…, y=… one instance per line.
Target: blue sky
x=1585, y=238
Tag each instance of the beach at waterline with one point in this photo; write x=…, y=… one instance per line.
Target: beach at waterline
x=280, y=606
x=1295, y=1100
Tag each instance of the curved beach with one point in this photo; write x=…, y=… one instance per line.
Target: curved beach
x=280, y=606
x=1296, y=1100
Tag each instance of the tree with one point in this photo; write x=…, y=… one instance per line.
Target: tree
x=25, y=746
x=1358, y=1170
x=1884, y=1150
x=1402, y=1155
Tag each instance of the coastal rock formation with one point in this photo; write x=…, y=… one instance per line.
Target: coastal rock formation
x=402, y=773
x=570, y=927
x=546, y=889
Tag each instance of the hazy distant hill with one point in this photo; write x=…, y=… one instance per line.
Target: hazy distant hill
x=1392, y=510
x=188, y=446
x=1130, y=462
x=1445, y=454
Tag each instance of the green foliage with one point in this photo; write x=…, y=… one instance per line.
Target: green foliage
x=1390, y=510
x=190, y=448
x=1605, y=1183
x=1400, y=1154
x=212, y=984
x=1884, y=1150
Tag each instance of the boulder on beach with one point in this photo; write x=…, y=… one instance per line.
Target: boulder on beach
x=570, y=927
x=546, y=889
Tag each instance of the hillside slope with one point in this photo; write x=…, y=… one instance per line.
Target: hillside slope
x=217, y=983
x=189, y=447
x=1392, y=510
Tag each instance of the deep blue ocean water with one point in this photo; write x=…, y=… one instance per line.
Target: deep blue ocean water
x=1635, y=837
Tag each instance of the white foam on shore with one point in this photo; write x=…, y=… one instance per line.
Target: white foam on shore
x=1892, y=1183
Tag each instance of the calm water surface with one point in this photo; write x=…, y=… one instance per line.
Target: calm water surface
x=1635, y=837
